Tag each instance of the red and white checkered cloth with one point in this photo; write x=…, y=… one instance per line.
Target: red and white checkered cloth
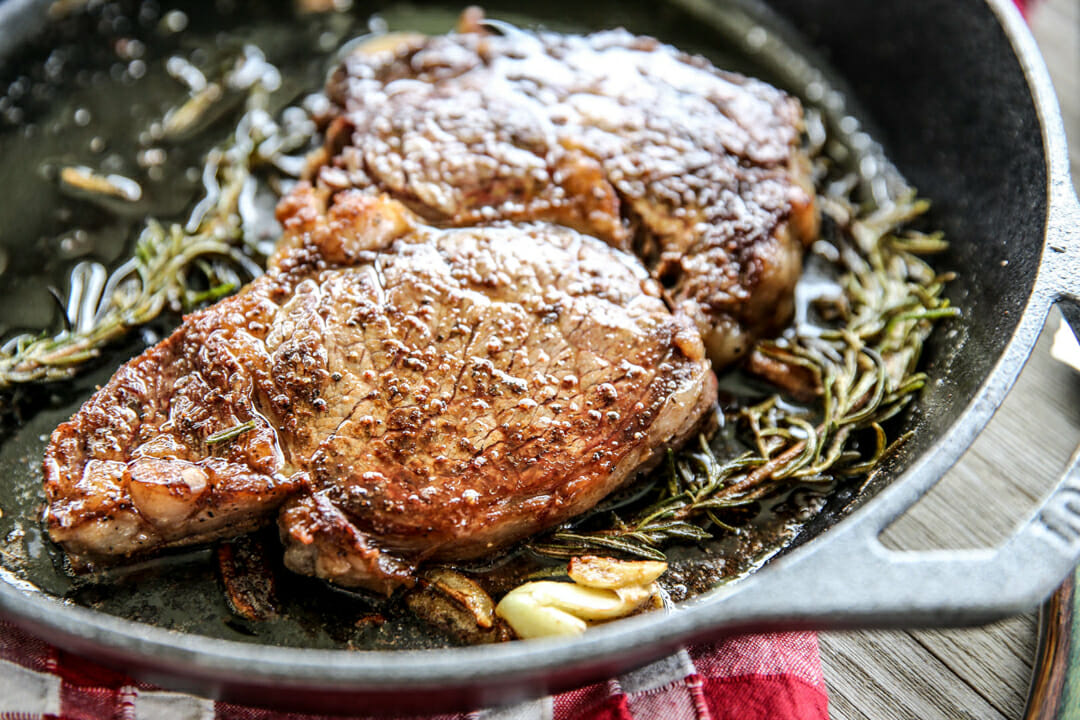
x=753, y=677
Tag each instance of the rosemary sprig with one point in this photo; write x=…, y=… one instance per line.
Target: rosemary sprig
x=230, y=433
x=158, y=274
x=859, y=370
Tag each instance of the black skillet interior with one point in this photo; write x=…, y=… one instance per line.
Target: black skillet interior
x=954, y=111
x=968, y=138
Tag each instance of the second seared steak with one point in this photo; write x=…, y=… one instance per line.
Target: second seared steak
x=698, y=171
x=408, y=393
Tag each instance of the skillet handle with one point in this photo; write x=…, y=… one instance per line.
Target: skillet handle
x=852, y=580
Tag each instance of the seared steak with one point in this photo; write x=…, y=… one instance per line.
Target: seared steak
x=698, y=171
x=411, y=393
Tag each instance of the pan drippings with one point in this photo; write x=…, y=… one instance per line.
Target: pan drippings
x=118, y=125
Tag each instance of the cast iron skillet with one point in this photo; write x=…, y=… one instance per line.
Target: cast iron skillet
x=966, y=110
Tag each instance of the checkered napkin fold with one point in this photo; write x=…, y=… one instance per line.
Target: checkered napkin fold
x=753, y=677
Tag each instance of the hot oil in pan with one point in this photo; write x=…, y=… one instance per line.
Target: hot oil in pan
x=87, y=94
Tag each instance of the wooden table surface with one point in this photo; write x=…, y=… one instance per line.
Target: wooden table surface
x=977, y=673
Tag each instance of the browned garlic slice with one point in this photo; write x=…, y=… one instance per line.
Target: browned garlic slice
x=602, y=572
x=84, y=183
x=457, y=605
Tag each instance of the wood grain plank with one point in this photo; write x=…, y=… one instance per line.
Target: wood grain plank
x=994, y=661
x=915, y=686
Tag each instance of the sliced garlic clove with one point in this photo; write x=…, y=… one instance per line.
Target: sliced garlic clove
x=166, y=492
x=389, y=43
x=458, y=606
x=601, y=572
x=465, y=592
x=78, y=180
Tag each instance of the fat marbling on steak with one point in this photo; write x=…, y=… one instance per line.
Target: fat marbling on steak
x=413, y=394
x=698, y=171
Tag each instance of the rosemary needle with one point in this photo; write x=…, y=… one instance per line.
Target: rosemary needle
x=230, y=433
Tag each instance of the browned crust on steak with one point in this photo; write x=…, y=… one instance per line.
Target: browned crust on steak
x=699, y=171
x=417, y=394
x=131, y=471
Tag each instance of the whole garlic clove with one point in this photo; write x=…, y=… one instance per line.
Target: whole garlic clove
x=602, y=589
x=529, y=618
x=545, y=608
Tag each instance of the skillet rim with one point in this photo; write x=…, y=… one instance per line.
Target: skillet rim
x=222, y=663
